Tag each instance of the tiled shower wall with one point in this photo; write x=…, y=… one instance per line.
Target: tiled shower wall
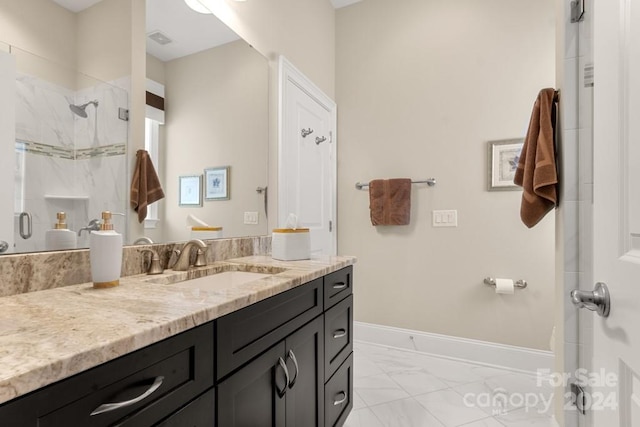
x=65, y=162
x=577, y=193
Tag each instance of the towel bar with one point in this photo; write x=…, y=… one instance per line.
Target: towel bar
x=520, y=284
x=430, y=182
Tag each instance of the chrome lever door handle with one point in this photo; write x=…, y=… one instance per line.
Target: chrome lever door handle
x=598, y=300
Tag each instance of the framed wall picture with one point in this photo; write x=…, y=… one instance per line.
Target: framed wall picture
x=190, y=190
x=216, y=185
x=503, y=159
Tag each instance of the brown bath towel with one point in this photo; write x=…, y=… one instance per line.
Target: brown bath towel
x=145, y=185
x=536, y=172
x=390, y=201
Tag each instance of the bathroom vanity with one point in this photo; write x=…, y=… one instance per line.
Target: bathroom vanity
x=275, y=352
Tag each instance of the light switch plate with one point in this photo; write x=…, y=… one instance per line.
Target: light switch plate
x=251, y=218
x=445, y=218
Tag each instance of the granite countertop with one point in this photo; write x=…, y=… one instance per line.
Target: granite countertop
x=49, y=335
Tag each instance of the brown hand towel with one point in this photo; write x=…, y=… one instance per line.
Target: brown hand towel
x=536, y=172
x=145, y=185
x=390, y=201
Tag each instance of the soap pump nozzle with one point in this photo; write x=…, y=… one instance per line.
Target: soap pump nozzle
x=106, y=221
x=61, y=224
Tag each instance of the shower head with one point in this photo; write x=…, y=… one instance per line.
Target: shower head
x=80, y=110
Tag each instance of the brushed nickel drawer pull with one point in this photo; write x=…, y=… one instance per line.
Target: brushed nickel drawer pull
x=339, y=333
x=341, y=401
x=292, y=356
x=339, y=285
x=108, y=407
x=283, y=365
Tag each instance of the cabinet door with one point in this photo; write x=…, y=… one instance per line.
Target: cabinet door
x=254, y=395
x=305, y=363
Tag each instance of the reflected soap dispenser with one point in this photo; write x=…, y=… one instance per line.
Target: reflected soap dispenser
x=60, y=238
x=105, y=253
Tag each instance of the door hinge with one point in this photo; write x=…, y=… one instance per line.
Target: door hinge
x=577, y=11
x=330, y=226
x=579, y=398
x=330, y=136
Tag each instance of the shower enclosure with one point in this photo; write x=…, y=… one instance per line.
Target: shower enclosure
x=68, y=143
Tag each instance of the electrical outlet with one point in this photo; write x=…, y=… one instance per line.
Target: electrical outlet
x=251, y=218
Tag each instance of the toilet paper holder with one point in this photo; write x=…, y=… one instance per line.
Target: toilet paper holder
x=520, y=284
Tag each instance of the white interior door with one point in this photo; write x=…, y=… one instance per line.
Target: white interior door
x=615, y=401
x=307, y=165
x=7, y=148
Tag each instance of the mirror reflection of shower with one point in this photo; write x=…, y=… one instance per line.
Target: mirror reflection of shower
x=81, y=111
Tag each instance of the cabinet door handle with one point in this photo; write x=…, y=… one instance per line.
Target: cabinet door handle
x=108, y=407
x=339, y=285
x=283, y=365
x=292, y=356
x=341, y=401
x=339, y=333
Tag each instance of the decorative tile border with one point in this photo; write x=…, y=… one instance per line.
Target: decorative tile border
x=39, y=149
x=68, y=153
x=102, y=151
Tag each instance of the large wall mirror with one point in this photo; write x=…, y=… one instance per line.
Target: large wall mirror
x=65, y=79
x=215, y=122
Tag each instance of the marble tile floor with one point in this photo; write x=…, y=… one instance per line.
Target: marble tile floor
x=398, y=388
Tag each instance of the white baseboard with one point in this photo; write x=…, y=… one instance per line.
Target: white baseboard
x=468, y=350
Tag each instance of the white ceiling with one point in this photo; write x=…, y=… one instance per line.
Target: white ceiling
x=189, y=31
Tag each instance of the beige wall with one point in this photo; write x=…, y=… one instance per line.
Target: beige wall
x=40, y=47
x=216, y=115
x=421, y=87
x=41, y=27
x=104, y=40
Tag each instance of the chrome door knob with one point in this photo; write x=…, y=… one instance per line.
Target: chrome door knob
x=597, y=301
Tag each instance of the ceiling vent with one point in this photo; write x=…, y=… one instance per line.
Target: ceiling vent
x=159, y=38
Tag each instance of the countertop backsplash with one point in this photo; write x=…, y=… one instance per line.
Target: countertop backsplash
x=22, y=273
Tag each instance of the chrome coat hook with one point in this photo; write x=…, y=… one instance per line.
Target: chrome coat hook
x=306, y=132
x=320, y=140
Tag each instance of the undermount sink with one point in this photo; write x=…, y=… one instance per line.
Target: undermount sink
x=224, y=280
x=213, y=278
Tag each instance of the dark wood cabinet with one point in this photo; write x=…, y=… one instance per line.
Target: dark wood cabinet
x=283, y=386
x=143, y=387
x=284, y=361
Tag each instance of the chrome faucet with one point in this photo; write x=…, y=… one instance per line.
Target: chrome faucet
x=94, y=225
x=182, y=264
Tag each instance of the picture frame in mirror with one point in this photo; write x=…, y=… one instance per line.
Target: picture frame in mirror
x=217, y=183
x=190, y=190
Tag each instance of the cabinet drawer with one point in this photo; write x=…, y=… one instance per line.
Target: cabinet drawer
x=338, y=395
x=244, y=334
x=337, y=286
x=181, y=367
x=199, y=413
x=338, y=335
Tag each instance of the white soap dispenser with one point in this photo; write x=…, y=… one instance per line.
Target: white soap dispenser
x=60, y=238
x=105, y=253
